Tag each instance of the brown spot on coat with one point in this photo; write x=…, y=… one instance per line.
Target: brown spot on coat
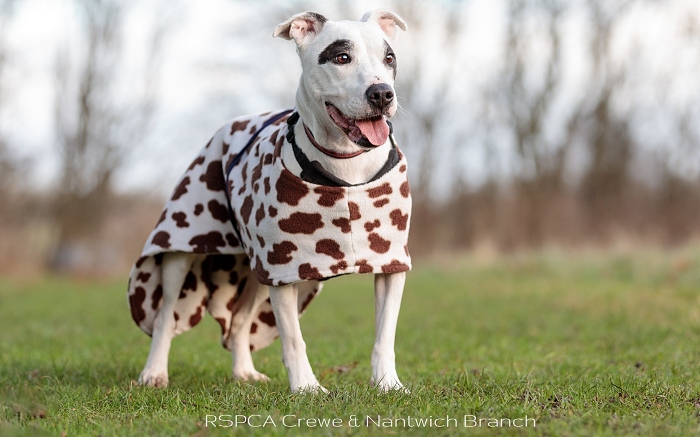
x=218, y=210
x=244, y=171
x=343, y=224
x=140, y=261
x=370, y=226
x=260, y=272
x=261, y=241
x=136, y=304
x=157, y=296
x=207, y=243
x=198, y=161
x=181, y=188
x=329, y=195
x=329, y=247
x=246, y=209
x=222, y=323
x=309, y=273
x=280, y=253
x=398, y=219
x=290, y=189
x=364, y=266
x=214, y=177
x=180, y=219
x=378, y=244
x=259, y=214
x=256, y=175
x=382, y=190
x=237, y=126
x=266, y=185
x=402, y=169
x=394, y=267
x=190, y=282
x=336, y=268
x=354, y=211
x=405, y=189
x=253, y=328
x=301, y=223
x=163, y=216
x=198, y=209
x=161, y=239
x=143, y=276
x=272, y=211
x=268, y=318
x=381, y=202
x=196, y=317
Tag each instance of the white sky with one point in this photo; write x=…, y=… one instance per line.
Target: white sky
x=201, y=40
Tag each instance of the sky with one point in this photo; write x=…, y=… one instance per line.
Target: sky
x=201, y=87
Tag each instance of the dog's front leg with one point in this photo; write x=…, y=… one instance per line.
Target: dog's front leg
x=388, y=290
x=284, y=305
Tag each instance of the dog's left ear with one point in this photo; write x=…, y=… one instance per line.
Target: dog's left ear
x=386, y=20
x=302, y=28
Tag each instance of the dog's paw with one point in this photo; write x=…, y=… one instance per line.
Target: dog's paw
x=250, y=375
x=386, y=385
x=313, y=389
x=153, y=379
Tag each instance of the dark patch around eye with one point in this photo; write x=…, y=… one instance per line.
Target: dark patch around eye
x=387, y=50
x=337, y=47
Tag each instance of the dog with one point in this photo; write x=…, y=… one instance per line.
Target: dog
x=278, y=202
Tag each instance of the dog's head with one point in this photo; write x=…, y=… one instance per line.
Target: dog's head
x=346, y=91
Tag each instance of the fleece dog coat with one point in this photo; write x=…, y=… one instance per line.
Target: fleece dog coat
x=256, y=222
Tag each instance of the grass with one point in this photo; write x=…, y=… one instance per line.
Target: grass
x=584, y=345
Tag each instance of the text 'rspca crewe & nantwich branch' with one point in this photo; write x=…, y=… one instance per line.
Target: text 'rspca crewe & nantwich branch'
x=369, y=421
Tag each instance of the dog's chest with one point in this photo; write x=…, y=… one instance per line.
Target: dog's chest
x=295, y=230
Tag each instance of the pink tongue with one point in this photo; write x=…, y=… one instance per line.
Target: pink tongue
x=376, y=131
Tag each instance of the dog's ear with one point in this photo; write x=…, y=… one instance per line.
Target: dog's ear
x=302, y=28
x=386, y=20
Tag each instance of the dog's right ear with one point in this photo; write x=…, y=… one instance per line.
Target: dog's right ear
x=302, y=28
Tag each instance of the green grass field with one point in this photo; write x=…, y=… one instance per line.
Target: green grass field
x=584, y=345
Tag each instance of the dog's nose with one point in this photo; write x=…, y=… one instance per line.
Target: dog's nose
x=380, y=95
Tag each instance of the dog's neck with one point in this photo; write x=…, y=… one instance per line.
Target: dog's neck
x=356, y=170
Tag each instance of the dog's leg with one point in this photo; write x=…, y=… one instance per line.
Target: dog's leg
x=285, y=306
x=388, y=289
x=176, y=265
x=254, y=294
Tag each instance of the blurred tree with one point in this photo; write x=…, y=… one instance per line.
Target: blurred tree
x=102, y=113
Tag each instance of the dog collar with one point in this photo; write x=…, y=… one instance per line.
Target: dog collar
x=329, y=152
x=315, y=173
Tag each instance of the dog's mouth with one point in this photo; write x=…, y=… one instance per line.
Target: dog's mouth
x=366, y=132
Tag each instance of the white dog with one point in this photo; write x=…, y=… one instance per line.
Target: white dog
x=278, y=202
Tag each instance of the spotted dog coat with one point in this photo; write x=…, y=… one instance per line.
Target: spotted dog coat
x=278, y=230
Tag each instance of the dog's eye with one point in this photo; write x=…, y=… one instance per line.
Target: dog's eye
x=342, y=59
x=389, y=58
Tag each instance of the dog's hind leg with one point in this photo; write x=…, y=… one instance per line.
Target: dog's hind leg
x=176, y=266
x=284, y=301
x=388, y=290
x=253, y=295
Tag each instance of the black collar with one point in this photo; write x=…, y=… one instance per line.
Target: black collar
x=313, y=171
